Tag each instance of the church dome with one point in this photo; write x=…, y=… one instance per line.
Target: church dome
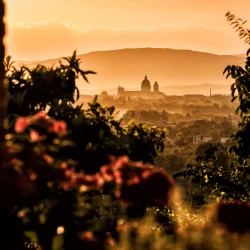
x=145, y=85
x=104, y=94
x=156, y=84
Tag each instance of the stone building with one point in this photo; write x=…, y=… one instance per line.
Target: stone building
x=145, y=92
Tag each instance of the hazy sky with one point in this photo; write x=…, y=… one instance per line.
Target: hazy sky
x=52, y=28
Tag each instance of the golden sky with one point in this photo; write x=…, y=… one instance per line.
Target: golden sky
x=42, y=29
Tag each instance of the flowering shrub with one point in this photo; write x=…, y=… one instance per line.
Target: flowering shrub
x=40, y=118
x=94, y=130
x=49, y=196
x=52, y=159
x=132, y=178
x=138, y=186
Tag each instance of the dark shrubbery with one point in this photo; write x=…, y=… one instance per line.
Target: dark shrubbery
x=74, y=178
x=94, y=130
x=52, y=159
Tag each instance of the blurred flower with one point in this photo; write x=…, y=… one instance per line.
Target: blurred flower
x=33, y=176
x=39, y=115
x=64, y=165
x=139, y=185
x=69, y=172
x=88, y=236
x=48, y=158
x=41, y=119
x=17, y=164
x=126, y=226
x=86, y=180
x=65, y=186
x=110, y=240
x=59, y=127
x=69, y=179
x=99, y=180
x=88, y=240
x=34, y=136
x=20, y=125
x=234, y=216
x=21, y=213
x=107, y=172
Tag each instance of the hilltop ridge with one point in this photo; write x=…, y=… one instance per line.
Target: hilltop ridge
x=127, y=67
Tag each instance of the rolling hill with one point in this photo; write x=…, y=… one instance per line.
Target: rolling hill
x=127, y=68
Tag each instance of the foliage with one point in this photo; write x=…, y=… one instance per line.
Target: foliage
x=95, y=131
x=58, y=193
x=8, y=64
x=33, y=90
x=240, y=91
x=207, y=238
x=54, y=201
x=222, y=157
x=227, y=182
x=209, y=181
x=239, y=25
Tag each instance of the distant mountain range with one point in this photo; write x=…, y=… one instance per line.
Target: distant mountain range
x=169, y=67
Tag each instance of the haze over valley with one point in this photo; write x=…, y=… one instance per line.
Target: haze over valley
x=176, y=71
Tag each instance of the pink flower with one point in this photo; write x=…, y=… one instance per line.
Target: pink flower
x=107, y=173
x=39, y=115
x=33, y=176
x=34, y=136
x=21, y=124
x=48, y=158
x=59, y=127
x=69, y=172
x=64, y=165
x=139, y=184
x=99, y=180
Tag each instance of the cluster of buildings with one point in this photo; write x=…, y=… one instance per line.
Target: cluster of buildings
x=197, y=139
x=145, y=93
x=149, y=91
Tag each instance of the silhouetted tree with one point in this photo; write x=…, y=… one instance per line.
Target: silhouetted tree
x=233, y=182
x=2, y=73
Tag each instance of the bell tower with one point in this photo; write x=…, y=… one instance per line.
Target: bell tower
x=156, y=87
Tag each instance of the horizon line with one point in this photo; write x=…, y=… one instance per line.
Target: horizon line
x=81, y=53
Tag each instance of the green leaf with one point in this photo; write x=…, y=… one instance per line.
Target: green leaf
x=234, y=98
x=248, y=52
x=32, y=236
x=58, y=242
x=42, y=218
